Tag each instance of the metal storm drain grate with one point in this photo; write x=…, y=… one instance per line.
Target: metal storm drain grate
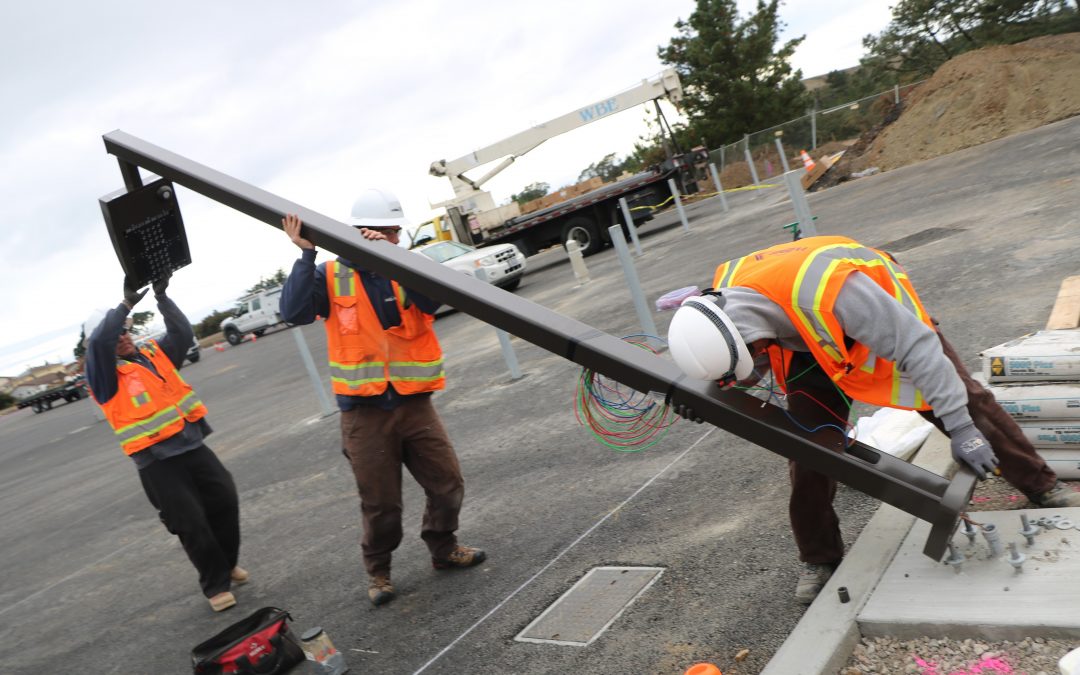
x=590, y=606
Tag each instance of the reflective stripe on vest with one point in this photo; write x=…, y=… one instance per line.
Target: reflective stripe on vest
x=356, y=375
x=154, y=424
x=344, y=281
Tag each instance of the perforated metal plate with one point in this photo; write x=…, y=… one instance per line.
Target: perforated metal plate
x=585, y=611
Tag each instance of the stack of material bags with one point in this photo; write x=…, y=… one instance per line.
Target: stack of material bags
x=1036, y=379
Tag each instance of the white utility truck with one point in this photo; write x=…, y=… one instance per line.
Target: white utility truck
x=473, y=218
x=254, y=314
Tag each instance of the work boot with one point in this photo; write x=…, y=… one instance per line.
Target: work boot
x=1057, y=497
x=461, y=556
x=239, y=576
x=379, y=589
x=812, y=578
x=222, y=601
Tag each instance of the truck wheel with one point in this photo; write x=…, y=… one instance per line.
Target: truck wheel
x=194, y=358
x=259, y=333
x=583, y=230
x=233, y=336
x=36, y=406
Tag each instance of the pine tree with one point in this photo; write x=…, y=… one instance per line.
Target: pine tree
x=734, y=79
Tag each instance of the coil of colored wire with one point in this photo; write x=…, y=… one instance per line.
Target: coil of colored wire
x=619, y=417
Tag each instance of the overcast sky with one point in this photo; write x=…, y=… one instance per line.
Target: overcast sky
x=313, y=104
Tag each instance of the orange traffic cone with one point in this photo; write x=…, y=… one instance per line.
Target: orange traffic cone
x=703, y=669
x=807, y=161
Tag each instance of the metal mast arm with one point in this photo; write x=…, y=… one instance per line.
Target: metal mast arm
x=917, y=491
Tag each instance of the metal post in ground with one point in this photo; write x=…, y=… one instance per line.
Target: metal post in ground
x=719, y=187
x=896, y=94
x=750, y=161
x=648, y=326
x=577, y=261
x=309, y=366
x=813, y=128
x=678, y=204
x=783, y=157
x=799, y=203
x=504, y=339
x=630, y=225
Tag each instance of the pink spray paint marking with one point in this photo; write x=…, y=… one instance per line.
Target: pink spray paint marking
x=984, y=666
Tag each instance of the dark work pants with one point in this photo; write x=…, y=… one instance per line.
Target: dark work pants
x=196, y=499
x=378, y=443
x=813, y=519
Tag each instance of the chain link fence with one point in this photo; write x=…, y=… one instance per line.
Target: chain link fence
x=766, y=154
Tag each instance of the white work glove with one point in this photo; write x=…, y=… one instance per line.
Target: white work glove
x=970, y=447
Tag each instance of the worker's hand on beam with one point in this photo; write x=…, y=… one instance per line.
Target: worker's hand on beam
x=970, y=447
x=372, y=235
x=161, y=285
x=291, y=223
x=132, y=295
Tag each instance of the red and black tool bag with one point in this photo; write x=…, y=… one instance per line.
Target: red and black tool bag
x=261, y=644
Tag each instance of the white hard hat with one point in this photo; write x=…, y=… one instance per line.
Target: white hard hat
x=705, y=343
x=377, y=208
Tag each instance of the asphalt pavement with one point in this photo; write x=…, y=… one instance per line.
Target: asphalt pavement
x=93, y=583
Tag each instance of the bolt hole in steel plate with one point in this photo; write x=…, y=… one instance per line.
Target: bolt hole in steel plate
x=591, y=605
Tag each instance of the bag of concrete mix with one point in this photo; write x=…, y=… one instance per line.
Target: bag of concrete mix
x=1065, y=463
x=1037, y=401
x=1041, y=356
x=1052, y=435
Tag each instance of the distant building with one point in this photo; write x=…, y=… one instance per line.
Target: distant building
x=47, y=372
x=36, y=385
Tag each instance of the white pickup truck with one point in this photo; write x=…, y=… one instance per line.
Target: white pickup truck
x=254, y=314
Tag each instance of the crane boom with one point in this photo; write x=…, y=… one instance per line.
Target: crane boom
x=664, y=85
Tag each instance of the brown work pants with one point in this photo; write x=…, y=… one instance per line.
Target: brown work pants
x=813, y=519
x=378, y=443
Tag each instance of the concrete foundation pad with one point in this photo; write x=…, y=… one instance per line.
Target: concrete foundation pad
x=988, y=598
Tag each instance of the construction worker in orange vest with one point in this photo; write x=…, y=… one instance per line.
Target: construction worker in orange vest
x=385, y=361
x=160, y=423
x=833, y=321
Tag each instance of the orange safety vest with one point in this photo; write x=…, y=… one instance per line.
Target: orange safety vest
x=364, y=358
x=149, y=408
x=804, y=278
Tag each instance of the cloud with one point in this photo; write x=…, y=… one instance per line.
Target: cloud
x=311, y=105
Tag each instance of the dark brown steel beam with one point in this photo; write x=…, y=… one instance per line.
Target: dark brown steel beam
x=917, y=491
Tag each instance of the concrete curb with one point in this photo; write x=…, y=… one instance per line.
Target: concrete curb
x=824, y=638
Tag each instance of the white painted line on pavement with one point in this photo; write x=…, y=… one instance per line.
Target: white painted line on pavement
x=566, y=550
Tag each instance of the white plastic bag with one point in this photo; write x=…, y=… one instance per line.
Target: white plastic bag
x=895, y=432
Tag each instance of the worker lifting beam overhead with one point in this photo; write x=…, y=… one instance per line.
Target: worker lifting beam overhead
x=924, y=494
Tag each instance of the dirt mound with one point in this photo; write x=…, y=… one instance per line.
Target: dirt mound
x=981, y=96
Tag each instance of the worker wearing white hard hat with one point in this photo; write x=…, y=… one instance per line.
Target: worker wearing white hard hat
x=161, y=425
x=829, y=320
x=385, y=362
